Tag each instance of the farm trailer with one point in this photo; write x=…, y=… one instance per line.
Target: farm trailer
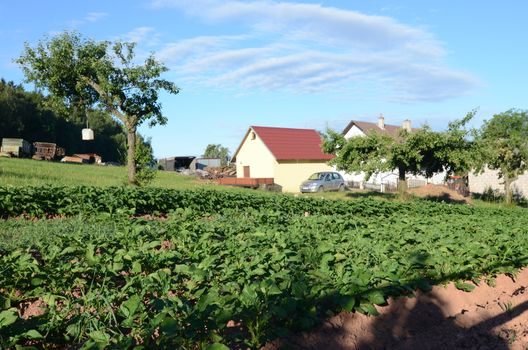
x=47, y=150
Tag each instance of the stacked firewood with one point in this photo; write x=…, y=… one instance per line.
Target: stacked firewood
x=219, y=172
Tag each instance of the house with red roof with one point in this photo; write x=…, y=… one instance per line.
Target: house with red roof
x=287, y=155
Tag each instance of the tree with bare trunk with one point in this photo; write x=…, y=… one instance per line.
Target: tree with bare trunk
x=82, y=73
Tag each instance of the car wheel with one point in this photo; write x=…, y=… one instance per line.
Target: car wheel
x=341, y=188
x=320, y=189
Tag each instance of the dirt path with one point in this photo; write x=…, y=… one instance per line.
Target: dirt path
x=445, y=318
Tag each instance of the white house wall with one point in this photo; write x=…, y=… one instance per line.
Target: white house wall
x=354, y=131
x=257, y=156
x=490, y=179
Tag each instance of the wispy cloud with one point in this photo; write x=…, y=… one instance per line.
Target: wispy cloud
x=95, y=16
x=91, y=17
x=142, y=35
x=195, y=47
x=310, y=47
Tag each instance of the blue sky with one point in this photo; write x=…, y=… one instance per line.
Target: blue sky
x=303, y=64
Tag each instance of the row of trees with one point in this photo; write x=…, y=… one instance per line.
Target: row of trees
x=500, y=144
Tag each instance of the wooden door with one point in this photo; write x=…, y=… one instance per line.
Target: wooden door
x=246, y=171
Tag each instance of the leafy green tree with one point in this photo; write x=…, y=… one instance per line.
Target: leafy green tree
x=217, y=151
x=504, y=143
x=82, y=73
x=145, y=161
x=421, y=152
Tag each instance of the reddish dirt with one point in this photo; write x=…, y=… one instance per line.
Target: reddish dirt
x=439, y=193
x=445, y=318
x=29, y=309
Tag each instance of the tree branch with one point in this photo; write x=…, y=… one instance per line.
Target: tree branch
x=107, y=99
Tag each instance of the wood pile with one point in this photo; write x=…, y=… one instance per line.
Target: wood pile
x=88, y=158
x=219, y=172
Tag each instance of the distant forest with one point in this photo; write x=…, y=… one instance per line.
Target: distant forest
x=32, y=116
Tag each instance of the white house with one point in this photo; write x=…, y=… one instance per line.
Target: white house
x=359, y=128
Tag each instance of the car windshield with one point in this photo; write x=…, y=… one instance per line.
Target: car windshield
x=316, y=176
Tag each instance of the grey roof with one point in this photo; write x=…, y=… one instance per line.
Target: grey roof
x=367, y=127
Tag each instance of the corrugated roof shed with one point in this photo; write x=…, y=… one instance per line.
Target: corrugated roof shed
x=292, y=144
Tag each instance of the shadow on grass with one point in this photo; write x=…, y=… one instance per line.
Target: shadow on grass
x=496, y=198
x=371, y=194
x=391, y=196
x=444, y=198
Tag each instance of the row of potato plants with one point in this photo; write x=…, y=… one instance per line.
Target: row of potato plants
x=66, y=201
x=240, y=276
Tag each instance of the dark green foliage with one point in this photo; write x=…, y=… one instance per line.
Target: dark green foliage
x=42, y=201
x=27, y=115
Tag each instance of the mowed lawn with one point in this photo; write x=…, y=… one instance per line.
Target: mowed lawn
x=28, y=172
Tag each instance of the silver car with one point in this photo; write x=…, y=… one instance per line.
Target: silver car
x=323, y=181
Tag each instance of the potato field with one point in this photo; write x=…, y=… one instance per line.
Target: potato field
x=121, y=268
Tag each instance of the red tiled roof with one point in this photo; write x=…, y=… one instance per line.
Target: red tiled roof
x=292, y=144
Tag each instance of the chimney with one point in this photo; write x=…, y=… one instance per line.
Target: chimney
x=407, y=125
x=381, y=122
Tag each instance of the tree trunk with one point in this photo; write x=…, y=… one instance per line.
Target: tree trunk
x=507, y=189
x=402, y=183
x=131, y=155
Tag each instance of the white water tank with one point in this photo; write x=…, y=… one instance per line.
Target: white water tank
x=87, y=134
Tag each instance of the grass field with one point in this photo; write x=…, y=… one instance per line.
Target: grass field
x=28, y=172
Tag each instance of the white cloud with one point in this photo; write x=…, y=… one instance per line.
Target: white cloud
x=143, y=35
x=189, y=48
x=95, y=16
x=310, y=47
x=91, y=17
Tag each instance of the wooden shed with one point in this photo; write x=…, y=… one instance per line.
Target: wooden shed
x=15, y=147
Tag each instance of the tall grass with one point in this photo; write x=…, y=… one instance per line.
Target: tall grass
x=28, y=172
